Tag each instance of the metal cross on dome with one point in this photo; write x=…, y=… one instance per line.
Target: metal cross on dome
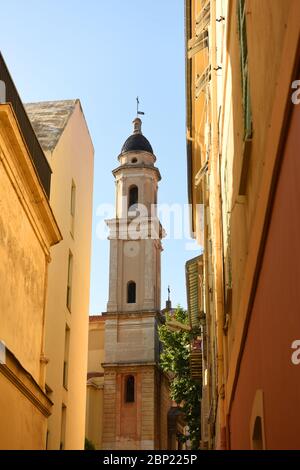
x=137, y=107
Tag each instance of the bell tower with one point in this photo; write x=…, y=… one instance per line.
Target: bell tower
x=133, y=308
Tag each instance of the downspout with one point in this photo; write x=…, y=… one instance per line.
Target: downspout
x=215, y=197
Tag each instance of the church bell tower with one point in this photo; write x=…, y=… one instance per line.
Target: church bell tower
x=133, y=308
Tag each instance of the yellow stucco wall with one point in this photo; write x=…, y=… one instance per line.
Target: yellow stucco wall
x=94, y=412
x=94, y=397
x=27, y=229
x=22, y=425
x=71, y=161
x=22, y=272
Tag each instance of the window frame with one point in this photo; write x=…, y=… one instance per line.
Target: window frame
x=70, y=281
x=72, y=207
x=131, y=283
x=129, y=393
x=132, y=206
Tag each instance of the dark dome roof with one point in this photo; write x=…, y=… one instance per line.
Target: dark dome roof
x=136, y=142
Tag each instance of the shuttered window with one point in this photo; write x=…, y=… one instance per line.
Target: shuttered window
x=244, y=69
x=202, y=80
x=197, y=44
x=200, y=39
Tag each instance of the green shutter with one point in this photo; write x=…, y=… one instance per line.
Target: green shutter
x=244, y=69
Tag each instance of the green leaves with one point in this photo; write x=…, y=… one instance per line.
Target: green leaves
x=175, y=359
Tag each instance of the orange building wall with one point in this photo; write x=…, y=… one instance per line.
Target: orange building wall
x=165, y=405
x=275, y=320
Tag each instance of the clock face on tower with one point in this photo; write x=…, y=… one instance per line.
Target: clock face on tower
x=131, y=249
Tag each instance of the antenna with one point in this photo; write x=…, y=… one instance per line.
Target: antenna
x=137, y=107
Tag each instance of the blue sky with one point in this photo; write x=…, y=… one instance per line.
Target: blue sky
x=106, y=53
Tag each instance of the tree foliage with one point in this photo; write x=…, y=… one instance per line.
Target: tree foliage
x=175, y=359
x=89, y=445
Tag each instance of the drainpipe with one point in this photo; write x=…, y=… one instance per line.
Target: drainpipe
x=215, y=198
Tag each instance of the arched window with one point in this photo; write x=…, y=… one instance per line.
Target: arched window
x=133, y=197
x=129, y=389
x=131, y=292
x=257, y=439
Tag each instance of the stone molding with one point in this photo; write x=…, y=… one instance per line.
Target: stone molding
x=25, y=383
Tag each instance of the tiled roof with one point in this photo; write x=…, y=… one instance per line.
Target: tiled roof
x=49, y=119
x=95, y=318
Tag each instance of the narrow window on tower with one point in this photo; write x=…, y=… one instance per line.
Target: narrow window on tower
x=133, y=198
x=129, y=389
x=131, y=292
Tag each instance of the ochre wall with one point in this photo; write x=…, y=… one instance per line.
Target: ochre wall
x=22, y=426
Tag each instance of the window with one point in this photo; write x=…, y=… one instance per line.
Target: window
x=129, y=389
x=63, y=427
x=72, y=206
x=257, y=436
x=69, y=285
x=47, y=439
x=133, y=197
x=244, y=69
x=257, y=439
x=2, y=92
x=131, y=292
x=66, y=357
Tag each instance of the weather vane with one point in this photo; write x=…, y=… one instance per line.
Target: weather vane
x=137, y=107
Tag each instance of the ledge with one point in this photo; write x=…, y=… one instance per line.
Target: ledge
x=25, y=383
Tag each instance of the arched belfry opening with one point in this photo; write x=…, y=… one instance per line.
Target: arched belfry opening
x=129, y=389
x=131, y=292
x=133, y=197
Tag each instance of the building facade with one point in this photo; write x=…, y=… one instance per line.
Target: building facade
x=27, y=231
x=242, y=64
x=64, y=136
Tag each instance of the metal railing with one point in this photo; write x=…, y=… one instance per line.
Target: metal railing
x=37, y=155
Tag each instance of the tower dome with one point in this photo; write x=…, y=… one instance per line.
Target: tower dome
x=137, y=141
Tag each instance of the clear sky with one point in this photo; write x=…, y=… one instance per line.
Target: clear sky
x=106, y=53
